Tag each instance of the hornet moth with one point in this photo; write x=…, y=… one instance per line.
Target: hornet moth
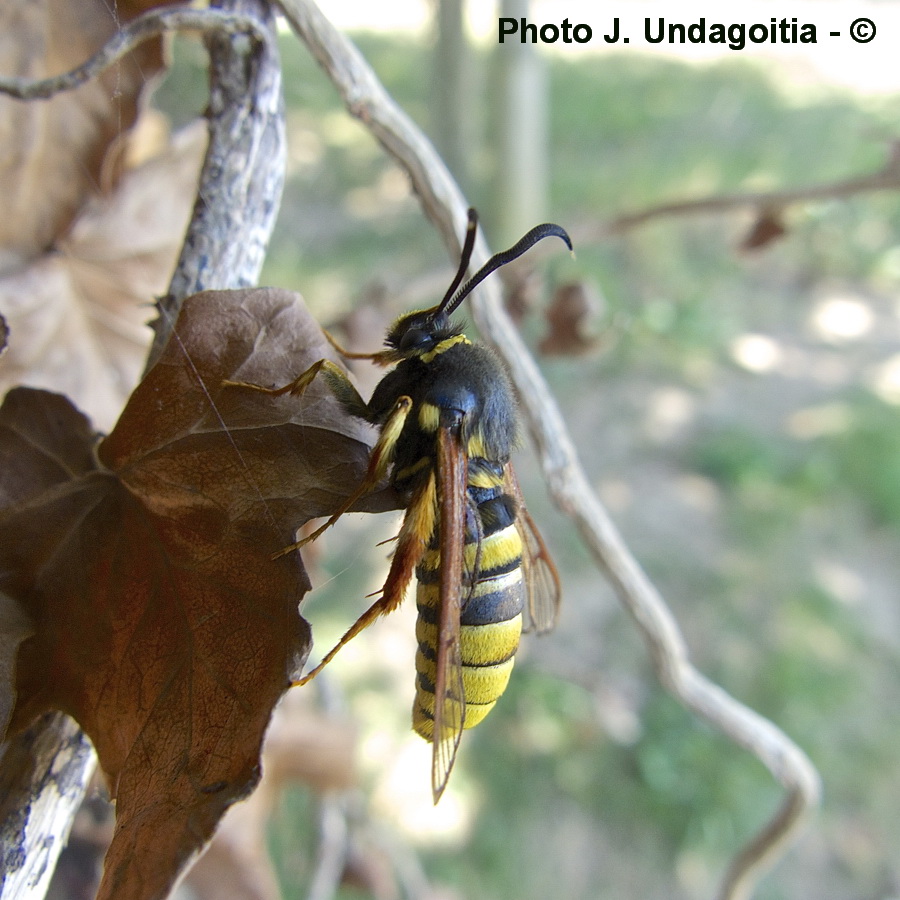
x=448, y=423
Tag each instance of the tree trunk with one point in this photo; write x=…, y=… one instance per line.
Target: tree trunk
x=519, y=134
x=451, y=116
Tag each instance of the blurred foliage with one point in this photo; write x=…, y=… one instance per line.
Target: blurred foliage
x=779, y=554
x=867, y=458
x=862, y=461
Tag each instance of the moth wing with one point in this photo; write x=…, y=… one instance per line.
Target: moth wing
x=449, y=694
x=543, y=591
x=449, y=718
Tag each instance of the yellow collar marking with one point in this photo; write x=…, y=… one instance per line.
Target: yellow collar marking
x=444, y=345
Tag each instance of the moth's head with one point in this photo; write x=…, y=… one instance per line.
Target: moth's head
x=419, y=332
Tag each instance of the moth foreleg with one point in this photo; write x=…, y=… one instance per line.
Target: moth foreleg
x=335, y=377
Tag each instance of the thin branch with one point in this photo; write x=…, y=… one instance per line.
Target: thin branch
x=444, y=205
x=243, y=173
x=886, y=178
x=367, y=100
x=151, y=24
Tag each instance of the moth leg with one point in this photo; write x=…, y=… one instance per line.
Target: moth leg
x=380, y=458
x=348, y=354
x=418, y=525
x=336, y=378
x=379, y=357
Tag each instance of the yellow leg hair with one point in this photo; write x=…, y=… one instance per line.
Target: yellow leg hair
x=301, y=382
x=379, y=461
x=411, y=542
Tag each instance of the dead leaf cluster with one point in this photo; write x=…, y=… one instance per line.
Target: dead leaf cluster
x=138, y=593
x=143, y=564
x=96, y=202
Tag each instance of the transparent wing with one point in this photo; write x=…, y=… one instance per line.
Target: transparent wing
x=449, y=716
x=541, y=577
x=449, y=696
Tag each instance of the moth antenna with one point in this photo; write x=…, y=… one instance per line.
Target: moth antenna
x=465, y=257
x=525, y=243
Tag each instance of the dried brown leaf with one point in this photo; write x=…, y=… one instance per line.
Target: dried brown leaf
x=768, y=228
x=162, y=624
x=40, y=446
x=15, y=626
x=303, y=744
x=77, y=315
x=56, y=153
x=569, y=316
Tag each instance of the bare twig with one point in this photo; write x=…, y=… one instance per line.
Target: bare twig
x=886, y=178
x=444, y=205
x=151, y=24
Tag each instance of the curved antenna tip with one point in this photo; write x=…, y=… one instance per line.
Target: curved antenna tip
x=526, y=242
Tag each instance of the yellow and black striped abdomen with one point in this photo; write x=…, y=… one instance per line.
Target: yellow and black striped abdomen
x=493, y=598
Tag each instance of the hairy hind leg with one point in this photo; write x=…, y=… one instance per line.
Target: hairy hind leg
x=418, y=525
x=379, y=460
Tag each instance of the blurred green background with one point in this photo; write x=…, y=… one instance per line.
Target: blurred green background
x=739, y=418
